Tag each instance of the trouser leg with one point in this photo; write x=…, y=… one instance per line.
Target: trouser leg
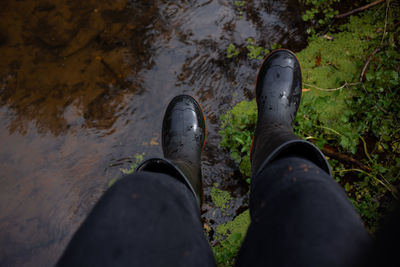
x=301, y=217
x=145, y=219
x=386, y=246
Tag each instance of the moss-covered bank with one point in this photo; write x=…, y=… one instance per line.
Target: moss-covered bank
x=350, y=108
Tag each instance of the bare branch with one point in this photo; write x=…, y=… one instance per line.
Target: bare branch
x=330, y=152
x=358, y=9
x=367, y=63
x=331, y=89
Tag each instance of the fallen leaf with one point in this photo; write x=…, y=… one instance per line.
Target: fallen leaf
x=131, y=26
x=380, y=148
x=305, y=90
x=153, y=141
x=318, y=60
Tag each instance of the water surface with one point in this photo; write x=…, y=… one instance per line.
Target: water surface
x=83, y=88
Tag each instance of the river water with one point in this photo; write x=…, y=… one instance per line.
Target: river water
x=83, y=89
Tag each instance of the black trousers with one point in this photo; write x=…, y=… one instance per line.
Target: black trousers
x=299, y=217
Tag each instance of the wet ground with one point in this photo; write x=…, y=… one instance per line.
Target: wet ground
x=83, y=88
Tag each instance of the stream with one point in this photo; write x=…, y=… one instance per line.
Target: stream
x=83, y=89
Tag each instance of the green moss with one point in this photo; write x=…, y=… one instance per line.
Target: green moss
x=234, y=233
x=132, y=168
x=345, y=117
x=232, y=51
x=326, y=64
x=220, y=197
x=331, y=64
x=134, y=165
x=238, y=225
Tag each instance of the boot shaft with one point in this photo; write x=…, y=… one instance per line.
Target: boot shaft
x=278, y=93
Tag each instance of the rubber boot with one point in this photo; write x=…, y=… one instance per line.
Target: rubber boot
x=278, y=93
x=183, y=139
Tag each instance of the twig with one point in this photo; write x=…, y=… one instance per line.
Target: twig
x=330, y=129
x=388, y=186
x=367, y=63
x=340, y=16
x=330, y=152
x=331, y=89
x=365, y=148
x=364, y=69
x=358, y=9
x=386, y=15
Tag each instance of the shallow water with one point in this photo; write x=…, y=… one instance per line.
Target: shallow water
x=83, y=88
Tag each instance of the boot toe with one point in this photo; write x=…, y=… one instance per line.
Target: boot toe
x=283, y=58
x=184, y=127
x=278, y=88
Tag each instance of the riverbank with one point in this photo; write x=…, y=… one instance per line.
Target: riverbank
x=350, y=109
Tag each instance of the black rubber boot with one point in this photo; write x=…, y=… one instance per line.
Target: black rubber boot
x=183, y=138
x=278, y=94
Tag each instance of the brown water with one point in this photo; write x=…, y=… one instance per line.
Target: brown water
x=83, y=88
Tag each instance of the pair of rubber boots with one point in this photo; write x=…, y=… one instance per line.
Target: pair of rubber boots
x=278, y=93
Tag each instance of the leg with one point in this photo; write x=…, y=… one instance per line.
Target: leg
x=385, y=250
x=301, y=217
x=146, y=219
x=152, y=218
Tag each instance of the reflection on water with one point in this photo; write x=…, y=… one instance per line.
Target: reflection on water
x=68, y=55
x=84, y=84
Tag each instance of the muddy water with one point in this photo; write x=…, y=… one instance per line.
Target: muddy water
x=83, y=88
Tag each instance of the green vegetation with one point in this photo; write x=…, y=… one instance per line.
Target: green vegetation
x=344, y=109
x=132, y=167
x=333, y=109
x=350, y=109
x=230, y=236
x=239, y=5
x=237, y=225
x=321, y=11
x=237, y=127
x=355, y=110
x=232, y=51
x=220, y=198
x=253, y=51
